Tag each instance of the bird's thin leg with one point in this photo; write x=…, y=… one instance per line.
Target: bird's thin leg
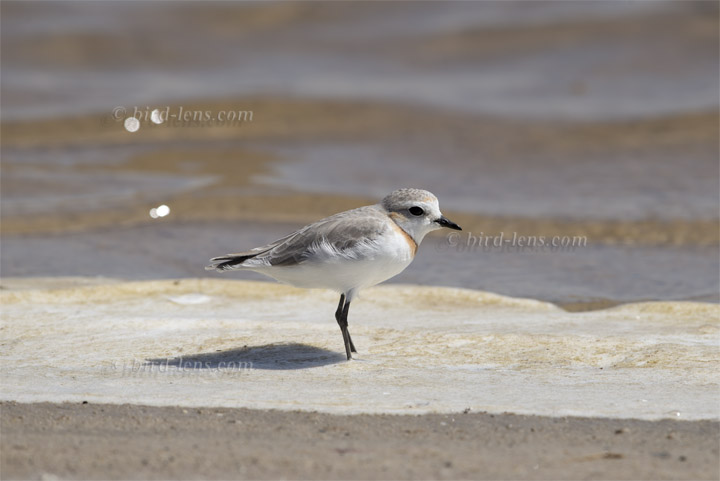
x=346, y=334
x=338, y=313
x=352, y=346
x=344, y=325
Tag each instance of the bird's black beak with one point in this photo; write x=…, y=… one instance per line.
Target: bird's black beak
x=447, y=223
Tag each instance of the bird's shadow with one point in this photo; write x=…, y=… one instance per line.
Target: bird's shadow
x=269, y=356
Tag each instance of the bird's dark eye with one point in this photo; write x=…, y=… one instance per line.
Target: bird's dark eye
x=415, y=210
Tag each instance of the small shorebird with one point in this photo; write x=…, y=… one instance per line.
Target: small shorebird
x=348, y=251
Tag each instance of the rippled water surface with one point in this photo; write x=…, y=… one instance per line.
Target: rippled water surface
x=589, y=119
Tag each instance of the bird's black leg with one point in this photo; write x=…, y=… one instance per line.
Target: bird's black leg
x=345, y=313
x=338, y=313
x=343, y=325
x=352, y=346
x=341, y=316
x=346, y=335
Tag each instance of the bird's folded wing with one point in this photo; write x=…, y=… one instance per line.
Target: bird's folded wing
x=346, y=234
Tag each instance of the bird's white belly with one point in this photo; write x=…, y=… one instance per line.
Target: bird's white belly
x=373, y=264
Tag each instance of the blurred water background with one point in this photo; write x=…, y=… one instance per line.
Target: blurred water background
x=590, y=120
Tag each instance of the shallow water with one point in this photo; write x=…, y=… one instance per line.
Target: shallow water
x=420, y=350
x=549, y=110
x=617, y=185
x=367, y=52
x=587, y=275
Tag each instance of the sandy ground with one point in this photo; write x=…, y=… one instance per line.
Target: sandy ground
x=88, y=441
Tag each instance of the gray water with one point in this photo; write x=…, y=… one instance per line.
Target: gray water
x=547, y=111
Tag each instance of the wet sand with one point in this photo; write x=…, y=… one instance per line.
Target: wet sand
x=102, y=441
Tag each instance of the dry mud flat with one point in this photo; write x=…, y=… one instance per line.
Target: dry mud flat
x=259, y=345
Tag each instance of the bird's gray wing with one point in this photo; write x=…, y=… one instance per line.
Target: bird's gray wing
x=341, y=232
x=234, y=261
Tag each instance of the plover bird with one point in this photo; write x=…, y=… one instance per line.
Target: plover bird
x=348, y=251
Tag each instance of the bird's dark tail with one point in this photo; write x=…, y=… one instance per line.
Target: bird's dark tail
x=229, y=262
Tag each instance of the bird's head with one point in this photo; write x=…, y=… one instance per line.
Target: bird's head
x=417, y=212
